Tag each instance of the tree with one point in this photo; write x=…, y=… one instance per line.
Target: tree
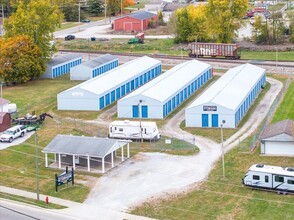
x=225, y=18
x=37, y=19
x=160, y=18
x=113, y=7
x=95, y=7
x=260, y=31
x=71, y=13
x=189, y=24
x=20, y=59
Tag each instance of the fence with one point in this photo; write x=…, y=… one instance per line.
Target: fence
x=253, y=142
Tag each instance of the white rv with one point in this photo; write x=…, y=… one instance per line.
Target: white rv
x=133, y=130
x=280, y=179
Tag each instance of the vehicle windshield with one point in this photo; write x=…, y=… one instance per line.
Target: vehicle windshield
x=8, y=132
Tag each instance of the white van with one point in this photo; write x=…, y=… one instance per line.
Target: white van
x=12, y=133
x=131, y=130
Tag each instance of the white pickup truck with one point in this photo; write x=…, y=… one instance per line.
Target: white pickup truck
x=12, y=133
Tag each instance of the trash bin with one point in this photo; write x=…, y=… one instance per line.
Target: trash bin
x=93, y=38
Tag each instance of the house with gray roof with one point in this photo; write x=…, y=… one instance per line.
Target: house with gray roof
x=93, y=68
x=278, y=139
x=86, y=153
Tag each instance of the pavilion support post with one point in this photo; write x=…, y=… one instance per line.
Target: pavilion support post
x=122, y=153
x=73, y=162
x=46, y=160
x=88, y=163
x=128, y=150
x=103, y=168
x=112, y=163
x=59, y=161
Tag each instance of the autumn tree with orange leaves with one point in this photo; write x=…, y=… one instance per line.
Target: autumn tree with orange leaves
x=20, y=59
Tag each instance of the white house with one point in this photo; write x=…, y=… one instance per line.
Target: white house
x=4, y=105
x=278, y=139
x=228, y=99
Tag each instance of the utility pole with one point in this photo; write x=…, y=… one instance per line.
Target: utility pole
x=105, y=10
x=121, y=8
x=2, y=21
x=37, y=167
x=79, y=15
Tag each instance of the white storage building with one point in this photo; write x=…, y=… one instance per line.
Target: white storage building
x=162, y=95
x=93, y=68
x=61, y=64
x=101, y=91
x=278, y=139
x=227, y=99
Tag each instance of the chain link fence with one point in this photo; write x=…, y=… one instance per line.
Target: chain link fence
x=248, y=145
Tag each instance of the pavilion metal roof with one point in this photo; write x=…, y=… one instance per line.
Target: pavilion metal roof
x=81, y=145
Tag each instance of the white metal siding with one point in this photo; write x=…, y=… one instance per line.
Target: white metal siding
x=278, y=148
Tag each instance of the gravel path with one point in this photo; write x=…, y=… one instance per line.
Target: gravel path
x=152, y=175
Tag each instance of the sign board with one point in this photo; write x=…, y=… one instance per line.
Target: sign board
x=63, y=178
x=168, y=141
x=209, y=108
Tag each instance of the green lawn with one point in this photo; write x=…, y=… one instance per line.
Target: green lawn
x=219, y=198
x=267, y=55
x=67, y=25
x=286, y=108
x=158, y=46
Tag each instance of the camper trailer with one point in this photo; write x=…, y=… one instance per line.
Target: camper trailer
x=133, y=130
x=273, y=178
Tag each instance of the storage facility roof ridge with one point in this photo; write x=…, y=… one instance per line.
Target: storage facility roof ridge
x=235, y=83
x=116, y=76
x=63, y=58
x=99, y=61
x=171, y=81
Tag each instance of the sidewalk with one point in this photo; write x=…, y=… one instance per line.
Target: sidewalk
x=75, y=209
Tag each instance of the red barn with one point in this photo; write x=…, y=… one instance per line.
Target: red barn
x=135, y=21
x=4, y=121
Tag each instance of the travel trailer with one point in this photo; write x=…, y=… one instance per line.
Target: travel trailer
x=133, y=130
x=273, y=178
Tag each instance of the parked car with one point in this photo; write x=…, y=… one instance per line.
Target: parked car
x=86, y=21
x=69, y=37
x=12, y=133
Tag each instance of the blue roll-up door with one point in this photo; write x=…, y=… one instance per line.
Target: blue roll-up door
x=204, y=120
x=118, y=93
x=101, y=103
x=107, y=99
x=214, y=120
x=113, y=96
x=135, y=111
x=144, y=111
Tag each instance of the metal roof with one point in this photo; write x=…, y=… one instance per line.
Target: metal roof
x=99, y=61
x=116, y=76
x=281, y=127
x=3, y=101
x=170, y=82
x=141, y=15
x=289, y=171
x=230, y=90
x=59, y=59
x=80, y=145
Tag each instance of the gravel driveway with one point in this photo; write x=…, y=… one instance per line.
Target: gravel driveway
x=149, y=175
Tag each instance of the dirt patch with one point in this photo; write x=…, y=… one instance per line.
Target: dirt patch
x=88, y=181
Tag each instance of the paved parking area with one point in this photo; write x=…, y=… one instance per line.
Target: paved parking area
x=4, y=145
